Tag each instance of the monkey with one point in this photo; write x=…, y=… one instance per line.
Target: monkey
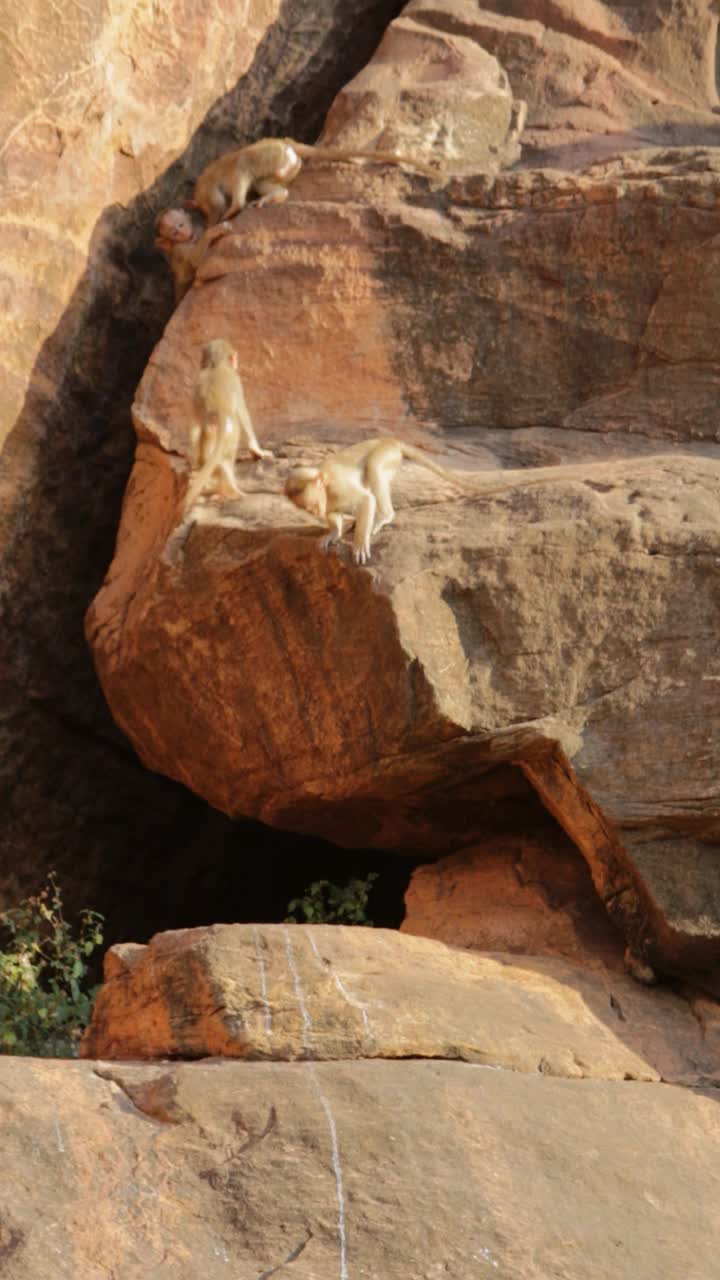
x=356, y=481
x=224, y=421
x=180, y=236
x=268, y=167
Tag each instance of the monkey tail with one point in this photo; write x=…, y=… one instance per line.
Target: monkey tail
x=416, y=455
x=308, y=152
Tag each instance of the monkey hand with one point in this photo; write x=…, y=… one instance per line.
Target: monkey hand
x=219, y=230
x=360, y=555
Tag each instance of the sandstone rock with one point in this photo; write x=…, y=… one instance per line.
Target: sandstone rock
x=289, y=992
x=432, y=92
x=345, y=1169
x=600, y=76
x=522, y=630
x=530, y=895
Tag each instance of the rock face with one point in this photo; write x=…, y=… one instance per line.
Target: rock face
x=530, y=894
x=534, y=1138
x=564, y=626
x=433, y=92
x=344, y=1169
x=560, y=634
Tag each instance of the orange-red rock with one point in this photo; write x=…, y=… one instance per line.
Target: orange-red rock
x=527, y=894
x=317, y=992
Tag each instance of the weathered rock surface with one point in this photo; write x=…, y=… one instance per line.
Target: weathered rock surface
x=287, y=992
x=337, y=1170
x=432, y=92
x=529, y=894
x=551, y=1140
x=604, y=76
x=535, y=629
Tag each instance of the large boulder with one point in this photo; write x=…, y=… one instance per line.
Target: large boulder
x=433, y=92
x=401, y=1109
x=562, y=625
x=287, y=992
x=332, y=1170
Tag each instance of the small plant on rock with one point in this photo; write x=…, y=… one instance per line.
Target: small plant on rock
x=44, y=1004
x=326, y=903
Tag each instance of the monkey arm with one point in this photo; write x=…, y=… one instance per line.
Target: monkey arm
x=336, y=524
x=364, y=521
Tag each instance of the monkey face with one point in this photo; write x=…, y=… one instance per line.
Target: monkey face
x=174, y=226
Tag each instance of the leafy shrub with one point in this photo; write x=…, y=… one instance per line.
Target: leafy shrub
x=326, y=903
x=43, y=1006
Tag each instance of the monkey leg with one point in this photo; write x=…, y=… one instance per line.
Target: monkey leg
x=271, y=191
x=379, y=478
x=238, y=198
x=206, y=443
x=228, y=484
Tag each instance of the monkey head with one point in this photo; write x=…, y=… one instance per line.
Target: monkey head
x=216, y=352
x=174, y=226
x=306, y=488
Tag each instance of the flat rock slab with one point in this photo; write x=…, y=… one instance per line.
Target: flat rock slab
x=345, y=1171
x=318, y=992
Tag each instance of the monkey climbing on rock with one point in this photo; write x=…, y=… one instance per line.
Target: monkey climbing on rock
x=268, y=167
x=223, y=422
x=181, y=237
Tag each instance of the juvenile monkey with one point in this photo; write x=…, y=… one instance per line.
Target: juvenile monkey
x=181, y=237
x=223, y=421
x=268, y=167
x=356, y=482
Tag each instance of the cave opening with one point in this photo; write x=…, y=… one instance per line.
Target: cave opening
x=203, y=868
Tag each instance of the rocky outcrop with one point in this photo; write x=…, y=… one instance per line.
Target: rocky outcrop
x=531, y=894
x=288, y=992
x=563, y=627
x=433, y=92
x=528, y=1133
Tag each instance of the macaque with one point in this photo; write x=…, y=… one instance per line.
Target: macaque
x=356, y=482
x=223, y=421
x=268, y=167
x=181, y=237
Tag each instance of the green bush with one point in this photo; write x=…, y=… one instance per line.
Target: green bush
x=326, y=903
x=43, y=1006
